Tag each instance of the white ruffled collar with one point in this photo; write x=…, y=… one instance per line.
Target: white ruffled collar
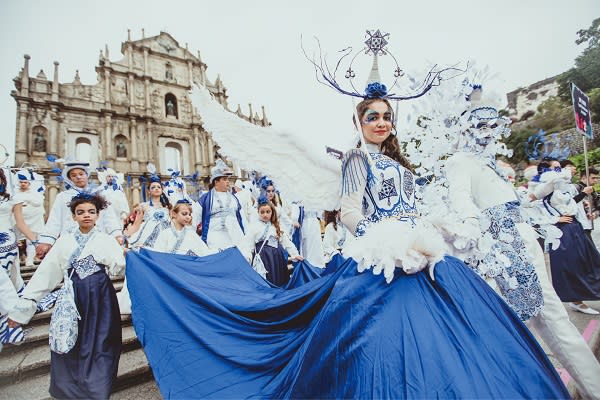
x=372, y=148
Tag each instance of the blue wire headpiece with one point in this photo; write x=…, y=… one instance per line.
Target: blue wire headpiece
x=376, y=46
x=184, y=201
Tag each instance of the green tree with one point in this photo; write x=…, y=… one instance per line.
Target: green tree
x=586, y=73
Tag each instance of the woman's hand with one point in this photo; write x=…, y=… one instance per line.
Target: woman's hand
x=565, y=219
x=298, y=258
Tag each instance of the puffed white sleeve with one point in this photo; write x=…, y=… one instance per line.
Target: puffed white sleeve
x=355, y=173
x=198, y=246
x=162, y=241
x=288, y=245
x=8, y=294
x=109, y=223
x=46, y=277
x=54, y=223
x=114, y=257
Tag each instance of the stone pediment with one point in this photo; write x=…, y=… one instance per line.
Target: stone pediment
x=164, y=43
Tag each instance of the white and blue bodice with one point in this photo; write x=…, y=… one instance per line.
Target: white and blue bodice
x=387, y=188
x=156, y=219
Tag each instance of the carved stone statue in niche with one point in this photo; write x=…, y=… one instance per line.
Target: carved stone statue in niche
x=170, y=108
x=121, y=149
x=39, y=141
x=169, y=73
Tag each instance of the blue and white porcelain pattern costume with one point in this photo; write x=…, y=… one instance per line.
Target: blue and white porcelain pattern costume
x=9, y=268
x=156, y=219
x=345, y=335
x=576, y=262
x=89, y=369
x=185, y=241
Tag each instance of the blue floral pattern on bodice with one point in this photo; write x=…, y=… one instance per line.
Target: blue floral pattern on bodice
x=393, y=194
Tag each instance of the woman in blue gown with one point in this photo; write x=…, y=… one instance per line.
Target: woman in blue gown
x=212, y=328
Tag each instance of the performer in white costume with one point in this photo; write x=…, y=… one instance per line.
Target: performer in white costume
x=266, y=238
x=112, y=190
x=86, y=366
x=335, y=235
x=180, y=237
x=11, y=283
x=487, y=201
x=152, y=217
x=222, y=225
x=76, y=175
x=31, y=194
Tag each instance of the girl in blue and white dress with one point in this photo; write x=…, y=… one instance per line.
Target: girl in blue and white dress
x=89, y=256
x=268, y=240
x=152, y=217
x=180, y=237
x=575, y=264
x=335, y=235
x=11, y=217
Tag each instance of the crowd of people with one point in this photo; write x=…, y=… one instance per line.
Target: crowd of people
x=449, y=322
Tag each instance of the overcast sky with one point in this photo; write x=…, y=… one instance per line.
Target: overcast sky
x=255, y=45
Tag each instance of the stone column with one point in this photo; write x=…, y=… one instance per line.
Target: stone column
x=147, y=94
x=131, y=93
x=52, y=192
x=107, y=88
x=150, y=145
x=108, y=151
x=190, y=74
x=197, y=150
x=133, y=150
x=25, y=76
x=53, y=133
x=135, y=192
x=55, y=82
x=211, y=151
x=21, y=143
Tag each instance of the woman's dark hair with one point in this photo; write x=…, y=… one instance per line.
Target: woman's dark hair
x=543, y=165
x=390, y=146
x=3, y=183
x=97, y=200
x=565, y=162
x=164, y=200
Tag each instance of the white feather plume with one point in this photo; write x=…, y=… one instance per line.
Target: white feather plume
x=300, y=172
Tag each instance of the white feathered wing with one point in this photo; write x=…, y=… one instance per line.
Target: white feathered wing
x=300, y=172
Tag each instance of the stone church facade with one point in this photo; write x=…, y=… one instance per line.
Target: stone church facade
x=138, y=112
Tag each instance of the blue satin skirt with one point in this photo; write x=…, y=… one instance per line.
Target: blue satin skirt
x=575, y=265
x=89, y=370
x=213, y=328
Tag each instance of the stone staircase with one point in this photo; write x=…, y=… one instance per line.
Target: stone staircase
x=25, y=369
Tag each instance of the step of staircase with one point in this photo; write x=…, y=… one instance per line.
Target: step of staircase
x=25, y=369
x=133, y=371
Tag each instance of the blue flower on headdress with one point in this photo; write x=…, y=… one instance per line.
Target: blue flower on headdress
x=184, y=201
x=262, y=199
x=83, y=196
x=375, y=90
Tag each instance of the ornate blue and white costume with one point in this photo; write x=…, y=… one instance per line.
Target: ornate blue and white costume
x=89, y=368
x=12, y=283
x=186, y=241
x=155, y=220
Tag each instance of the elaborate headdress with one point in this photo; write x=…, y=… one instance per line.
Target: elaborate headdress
x=262, y=200
x=35, y=179
x=375, y=45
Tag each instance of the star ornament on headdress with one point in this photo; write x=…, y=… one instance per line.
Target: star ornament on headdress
x=375, y=45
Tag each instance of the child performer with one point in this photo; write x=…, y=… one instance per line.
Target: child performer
x=335, y=234
x=180, y=237
x=89, y=369
x=268, y=240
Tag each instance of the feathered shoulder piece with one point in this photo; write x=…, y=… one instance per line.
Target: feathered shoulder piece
x=356, y=168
